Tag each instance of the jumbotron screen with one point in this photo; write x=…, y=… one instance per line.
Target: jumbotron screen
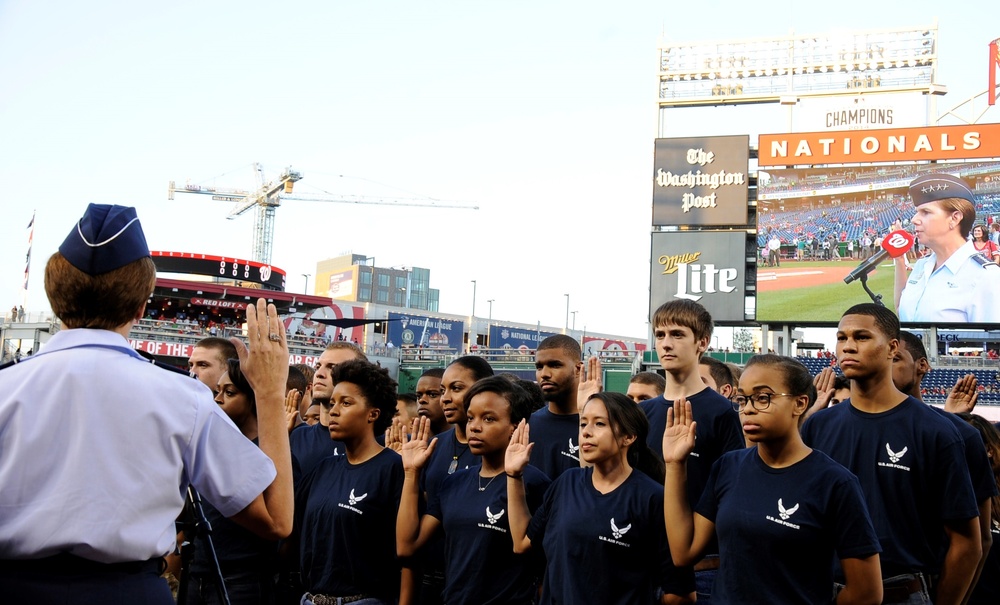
x=819, y=227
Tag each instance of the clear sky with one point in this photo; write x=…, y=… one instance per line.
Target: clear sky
x=541, y=113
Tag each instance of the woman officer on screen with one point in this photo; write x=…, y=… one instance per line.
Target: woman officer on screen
x=953, y=284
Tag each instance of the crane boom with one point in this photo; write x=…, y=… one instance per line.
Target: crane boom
x=269, y=194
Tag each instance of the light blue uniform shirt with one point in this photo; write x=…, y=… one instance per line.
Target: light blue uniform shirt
x=97, y=447
x=962, y=290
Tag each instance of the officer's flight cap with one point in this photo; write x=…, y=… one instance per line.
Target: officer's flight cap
x=938, y=186
x=106, y=238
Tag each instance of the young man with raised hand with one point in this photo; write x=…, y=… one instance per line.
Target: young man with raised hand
x=911, y=465
x=682, y=330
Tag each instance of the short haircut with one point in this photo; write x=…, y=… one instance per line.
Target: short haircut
x=433, y=373
x=106, y=301
x=735, y=369
x=407, y=397
x=222, y=347
x=685, y=313
x=797, y=378
x=240, y=382
x=968, y=210
x=914, y=345
x=534, y=391
x=307, y=370
x=517, y=398
x=841, y=382
x=348, y=346
x=652, y=379
x=296, y=380
x=561, y=341
x=375, y=384
x=885, y=320
x=479, y=367
x=720, y=372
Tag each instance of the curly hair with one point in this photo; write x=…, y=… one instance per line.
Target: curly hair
x=375, y=384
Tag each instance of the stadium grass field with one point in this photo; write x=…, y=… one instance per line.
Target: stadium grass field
x=814, y=291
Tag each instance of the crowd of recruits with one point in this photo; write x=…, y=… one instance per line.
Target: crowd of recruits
x=583, y=478
x=452, y=484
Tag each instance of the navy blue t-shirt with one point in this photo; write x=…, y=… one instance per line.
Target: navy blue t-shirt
x=718, y=431
x=911, y=465
x=780, y=530
x=449, y=455
x=310, y=444
x=984, y=484
x=346, y=523
x=557, y=441
x=481, y=567
x=987, y=590
x=605, y=548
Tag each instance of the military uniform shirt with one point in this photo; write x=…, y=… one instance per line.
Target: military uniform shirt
x=966, y=289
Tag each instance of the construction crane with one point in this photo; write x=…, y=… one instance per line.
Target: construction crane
x=269, y=194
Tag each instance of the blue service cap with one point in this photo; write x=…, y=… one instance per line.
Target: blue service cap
x=106, y=238
x=938, y=186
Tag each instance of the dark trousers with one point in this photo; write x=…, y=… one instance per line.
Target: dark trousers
x=247, y=588
x=30, y=585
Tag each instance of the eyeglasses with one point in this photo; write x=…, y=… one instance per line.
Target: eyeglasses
x=759, y=401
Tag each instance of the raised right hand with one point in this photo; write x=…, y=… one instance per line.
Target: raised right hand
x=518, y=451
x=416, y=450
x=679, y=434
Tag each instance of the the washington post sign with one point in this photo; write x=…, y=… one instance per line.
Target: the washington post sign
x=701, y=181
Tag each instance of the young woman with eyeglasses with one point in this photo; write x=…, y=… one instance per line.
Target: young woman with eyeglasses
x=783, y=513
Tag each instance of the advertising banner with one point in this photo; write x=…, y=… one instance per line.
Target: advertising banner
x=840, y=229
x=593, y=344
x=340, y=285
x=861, y=112
x=968, y=141
x=516, y=339
x=706, y=267
x=428, y=332
x=700, y=181
x=305, y=326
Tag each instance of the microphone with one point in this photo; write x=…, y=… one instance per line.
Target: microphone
x=894, y=245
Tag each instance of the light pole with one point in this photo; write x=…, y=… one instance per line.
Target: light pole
x=472, y=319
x=489, y=323
x=566, y=328
x=473, y=298
x=574, y=319
x=307, y=276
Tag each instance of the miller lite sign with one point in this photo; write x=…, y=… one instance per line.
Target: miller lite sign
x=706, y=267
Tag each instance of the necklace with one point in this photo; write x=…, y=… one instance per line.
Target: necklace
x=482, y=487
x=459, y=450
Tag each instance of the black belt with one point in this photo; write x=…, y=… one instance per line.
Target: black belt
x=901, y=589
x=68, y=564
x=325, y=599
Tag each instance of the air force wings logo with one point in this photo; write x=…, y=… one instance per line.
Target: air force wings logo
x=355, y=499
x=785, y=513
x=894, y=457
x=493, y=518
x=619, y=532
x=573, y=448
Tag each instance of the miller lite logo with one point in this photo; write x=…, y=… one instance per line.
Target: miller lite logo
x=695, y=279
